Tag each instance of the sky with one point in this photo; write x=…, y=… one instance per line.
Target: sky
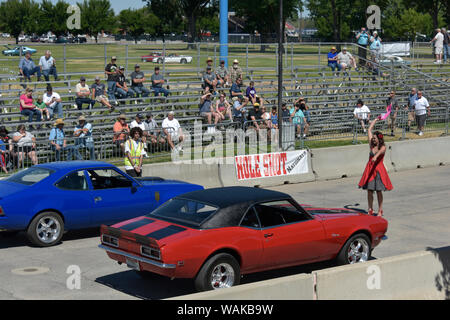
x=117, y=5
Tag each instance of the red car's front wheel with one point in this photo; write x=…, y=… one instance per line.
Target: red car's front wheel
x=356, y=249
x=219, y=271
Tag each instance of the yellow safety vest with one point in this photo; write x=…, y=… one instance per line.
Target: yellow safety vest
x=135, y=154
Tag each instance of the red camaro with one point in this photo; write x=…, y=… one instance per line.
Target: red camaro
x=216, y=235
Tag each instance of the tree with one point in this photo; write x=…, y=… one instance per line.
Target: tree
x=137, y=22
x=434, y=7
x=96, y=16
x=17, y=16
x=169, y=14
x=53, y=17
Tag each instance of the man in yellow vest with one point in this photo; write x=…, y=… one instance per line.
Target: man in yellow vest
x=134, y=153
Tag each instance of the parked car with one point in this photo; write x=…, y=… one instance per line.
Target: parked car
x=17, y=50
x=61, y=39
x=151, y=56
x=173, y=58
x=397, y=61
x=24, y=38
x=47, y=199
x=216, y=235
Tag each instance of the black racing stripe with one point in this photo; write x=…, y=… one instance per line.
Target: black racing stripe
x=136, y=224
x=165, y=232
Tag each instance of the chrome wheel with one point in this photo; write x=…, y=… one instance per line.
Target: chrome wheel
x=358, y=251
x=48, y=229
x=222, y=276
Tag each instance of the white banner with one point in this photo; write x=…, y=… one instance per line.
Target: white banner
x=275, y=164
x=399, y=49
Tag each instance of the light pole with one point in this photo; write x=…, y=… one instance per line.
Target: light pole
x=280, y=76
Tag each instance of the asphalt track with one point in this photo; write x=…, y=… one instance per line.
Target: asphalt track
x=418, y=211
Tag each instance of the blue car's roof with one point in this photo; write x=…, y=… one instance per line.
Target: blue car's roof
x=73, y=165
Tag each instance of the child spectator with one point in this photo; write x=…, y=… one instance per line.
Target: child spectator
x=42, y=107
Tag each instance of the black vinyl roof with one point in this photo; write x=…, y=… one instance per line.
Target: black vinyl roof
x=230, y=196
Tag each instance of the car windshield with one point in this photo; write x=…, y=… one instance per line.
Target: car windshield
x=184, y=211
x=30, y=176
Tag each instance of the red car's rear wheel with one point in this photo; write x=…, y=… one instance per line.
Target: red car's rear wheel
x=219, y=271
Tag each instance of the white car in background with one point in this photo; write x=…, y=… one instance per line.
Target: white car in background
x=173, y=58
x=387, y=60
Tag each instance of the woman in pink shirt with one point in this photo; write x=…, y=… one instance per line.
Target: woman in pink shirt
x=27, y=108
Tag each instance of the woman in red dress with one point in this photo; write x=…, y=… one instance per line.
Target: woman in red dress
x=375, y=176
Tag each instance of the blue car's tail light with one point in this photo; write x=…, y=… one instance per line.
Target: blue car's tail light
x=2, y=213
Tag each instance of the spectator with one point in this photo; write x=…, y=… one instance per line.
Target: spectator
x=6, y=150
x=392, y=100
x=250, y=93
x=332, y=60
x=362, y=114
x=83, y=94
x=446, y=44
x=42, y=107
x=239, y=109
x=83, y=134
x=153, y=132
x=255, y=117
x=375, y=45
x=412, y=97
x=157, y=83
x=235, y=90
x=438, y=46
x=346, y=60
x=27, y=108
x=222, y=76
x=24, y=145
x=235, y=71
x=209, y=62
x=48, y=66
x=137, y=82
x=373, y=66
x=206, y=108
x=209, y=81
x=58, y=142
x=111, y=72
x=285, y=114
x=266, y=117
x=27, y=67
x=53, y=102
x=307, y=119
x=139, y=122
x=422, y=110
x=134, y=153
x=121, y=131
x=173, y=132
x=98, y=90
x=297, y=118
x=362, y=38
x=121, y=85
x=223, y=108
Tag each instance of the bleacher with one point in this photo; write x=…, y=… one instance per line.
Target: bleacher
x=330, y=98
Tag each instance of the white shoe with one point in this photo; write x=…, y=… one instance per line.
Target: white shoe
x=420, y=133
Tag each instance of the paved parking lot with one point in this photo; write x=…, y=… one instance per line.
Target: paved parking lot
x=417, y=209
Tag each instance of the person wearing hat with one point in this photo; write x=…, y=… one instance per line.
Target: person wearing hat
x=157, y=83
x=27, y=108
x=375, y=45
x=139, y=122
x=83, y=134
x=222, y=76
x=83, y=94
x=235, y=71
x=111, y=71
x=53, y=102
x=58, y=142
x=209, y=62
x=98, y=91
x=121, y=131
x=121, y=85
x=297, y=118
x=332, y=60
x=346, y=60
x=137, y=82
x=255, y=116
x=209, y=81
x=134, y=153
x=362, y=39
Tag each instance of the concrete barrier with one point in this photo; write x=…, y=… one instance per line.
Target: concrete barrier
x=298, y=287
x=413, y=154
x=417, y=275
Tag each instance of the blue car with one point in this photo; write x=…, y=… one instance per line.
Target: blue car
x=16, y=51
x=47, y=199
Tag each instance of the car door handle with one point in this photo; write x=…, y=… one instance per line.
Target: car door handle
x=268, y=235
x=96, y=199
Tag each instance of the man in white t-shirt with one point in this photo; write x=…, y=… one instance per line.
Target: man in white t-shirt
x=362, y=113
x=139, y=122
x=48, y=66
x=83, y=94
x=438, y=45
x=53, y=102
x=345, y=60
x=422, y=109
x=172, y=130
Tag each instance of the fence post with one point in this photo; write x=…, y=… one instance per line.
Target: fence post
x=318, y=64
x=65, y=61
x=164, y=58
x=355, y=131
x=292, y=57
x=446, y=118
x=246, y=56
x=126, y=58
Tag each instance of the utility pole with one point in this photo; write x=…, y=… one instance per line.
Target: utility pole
x=280, y=77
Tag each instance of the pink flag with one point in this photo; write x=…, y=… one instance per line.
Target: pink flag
x=384, y=116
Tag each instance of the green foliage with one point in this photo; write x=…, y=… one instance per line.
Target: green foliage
x=96, y=15
x=19, y=15
x=169, y=14
x=53, y=17
x=137, y=21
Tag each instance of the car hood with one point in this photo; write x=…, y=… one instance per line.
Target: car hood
x=332, y=213
x=8, y=188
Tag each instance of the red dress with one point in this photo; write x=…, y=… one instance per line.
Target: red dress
x=371, y=171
